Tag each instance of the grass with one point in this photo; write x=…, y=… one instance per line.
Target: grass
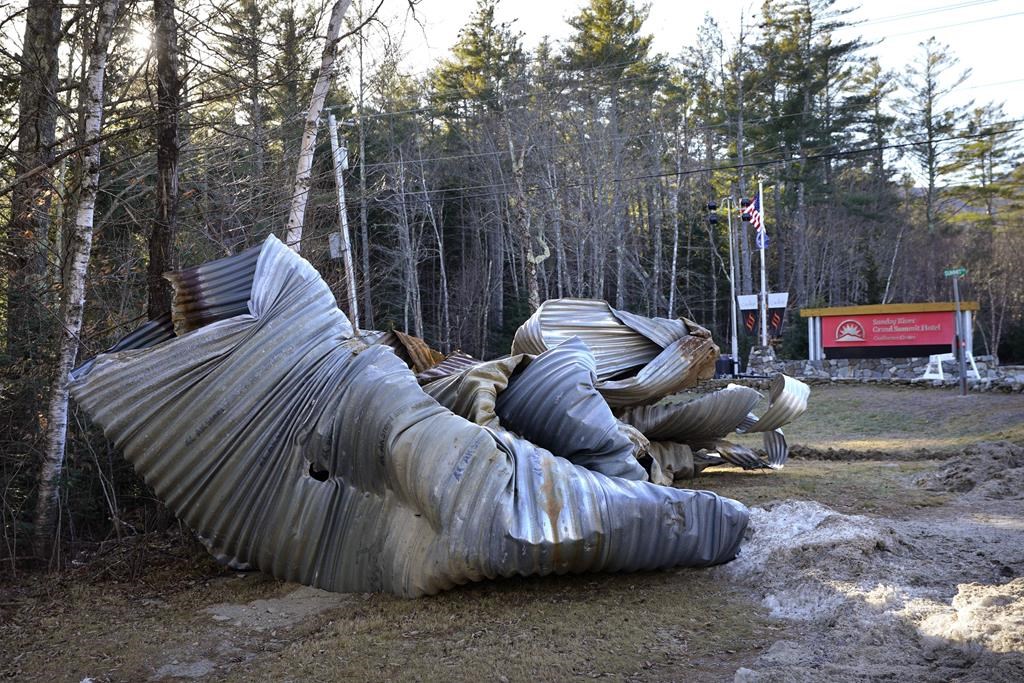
x=866, y=486
x=880, y=419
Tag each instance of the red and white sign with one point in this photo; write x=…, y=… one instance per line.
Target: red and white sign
x=888, y=329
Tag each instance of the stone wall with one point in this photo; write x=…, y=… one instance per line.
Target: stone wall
x=992, y=376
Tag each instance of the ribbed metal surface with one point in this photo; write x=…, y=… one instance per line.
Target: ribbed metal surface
x=734, y=454
x=452, y=364
x=701, y=423
x=212, y=291
x=224, y=422
x=617, y=348
x=787, y=400
x=709, y=416
x=639, y=360
x=672, y=462
x=473, y=393
x=549, y=400
x=150, y=333
x=554, y=404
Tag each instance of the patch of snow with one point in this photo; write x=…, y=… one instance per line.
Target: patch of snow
x=992, y=616
x=933, y=597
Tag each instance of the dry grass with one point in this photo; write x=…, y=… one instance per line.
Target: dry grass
x=905, y=420
x=866, y=486
x=655, y=626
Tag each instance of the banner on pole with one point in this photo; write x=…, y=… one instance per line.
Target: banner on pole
x=749, y=305
x=776, y=319
x=748, y=302
x=749, y=308
x=750, y=320
x=777, y=302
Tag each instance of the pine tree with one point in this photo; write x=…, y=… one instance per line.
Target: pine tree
x=930, y=123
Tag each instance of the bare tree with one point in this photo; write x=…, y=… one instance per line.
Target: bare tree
x=168, y=87
x=31, y=198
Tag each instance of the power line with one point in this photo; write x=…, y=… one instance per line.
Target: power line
x=956, y=25
x=464, y=191
x=923, y=12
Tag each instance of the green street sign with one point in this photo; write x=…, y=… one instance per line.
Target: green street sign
x=955, y=272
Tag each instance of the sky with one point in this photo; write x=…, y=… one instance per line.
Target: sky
x=984, y=34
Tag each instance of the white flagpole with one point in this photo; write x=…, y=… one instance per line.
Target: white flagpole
x=764, y=285
x=733, y=317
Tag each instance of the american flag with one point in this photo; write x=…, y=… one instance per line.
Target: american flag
x=754, y=211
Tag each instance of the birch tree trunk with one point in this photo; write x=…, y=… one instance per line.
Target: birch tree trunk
x=556, y=208
x=409, y=254
x=74, y=296
x=521, y=222
x=161, y=241
x=674, y=212
x=446, y=320
x=300, y=189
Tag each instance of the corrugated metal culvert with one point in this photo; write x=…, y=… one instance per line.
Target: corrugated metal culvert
x=515, y=466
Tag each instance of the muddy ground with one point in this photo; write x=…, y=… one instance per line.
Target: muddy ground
x=890, y=547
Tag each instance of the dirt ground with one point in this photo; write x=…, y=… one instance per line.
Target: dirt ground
x=890, y=547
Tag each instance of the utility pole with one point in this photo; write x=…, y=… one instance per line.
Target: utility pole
x=339, y=155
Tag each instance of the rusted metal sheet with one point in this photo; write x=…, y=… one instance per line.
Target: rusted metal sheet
x=227, y=420
x=453, y=364
x=639, y=360
x=416, y=353
x=212, y=291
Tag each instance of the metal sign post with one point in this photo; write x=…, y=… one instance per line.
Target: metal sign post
x=961, y=351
